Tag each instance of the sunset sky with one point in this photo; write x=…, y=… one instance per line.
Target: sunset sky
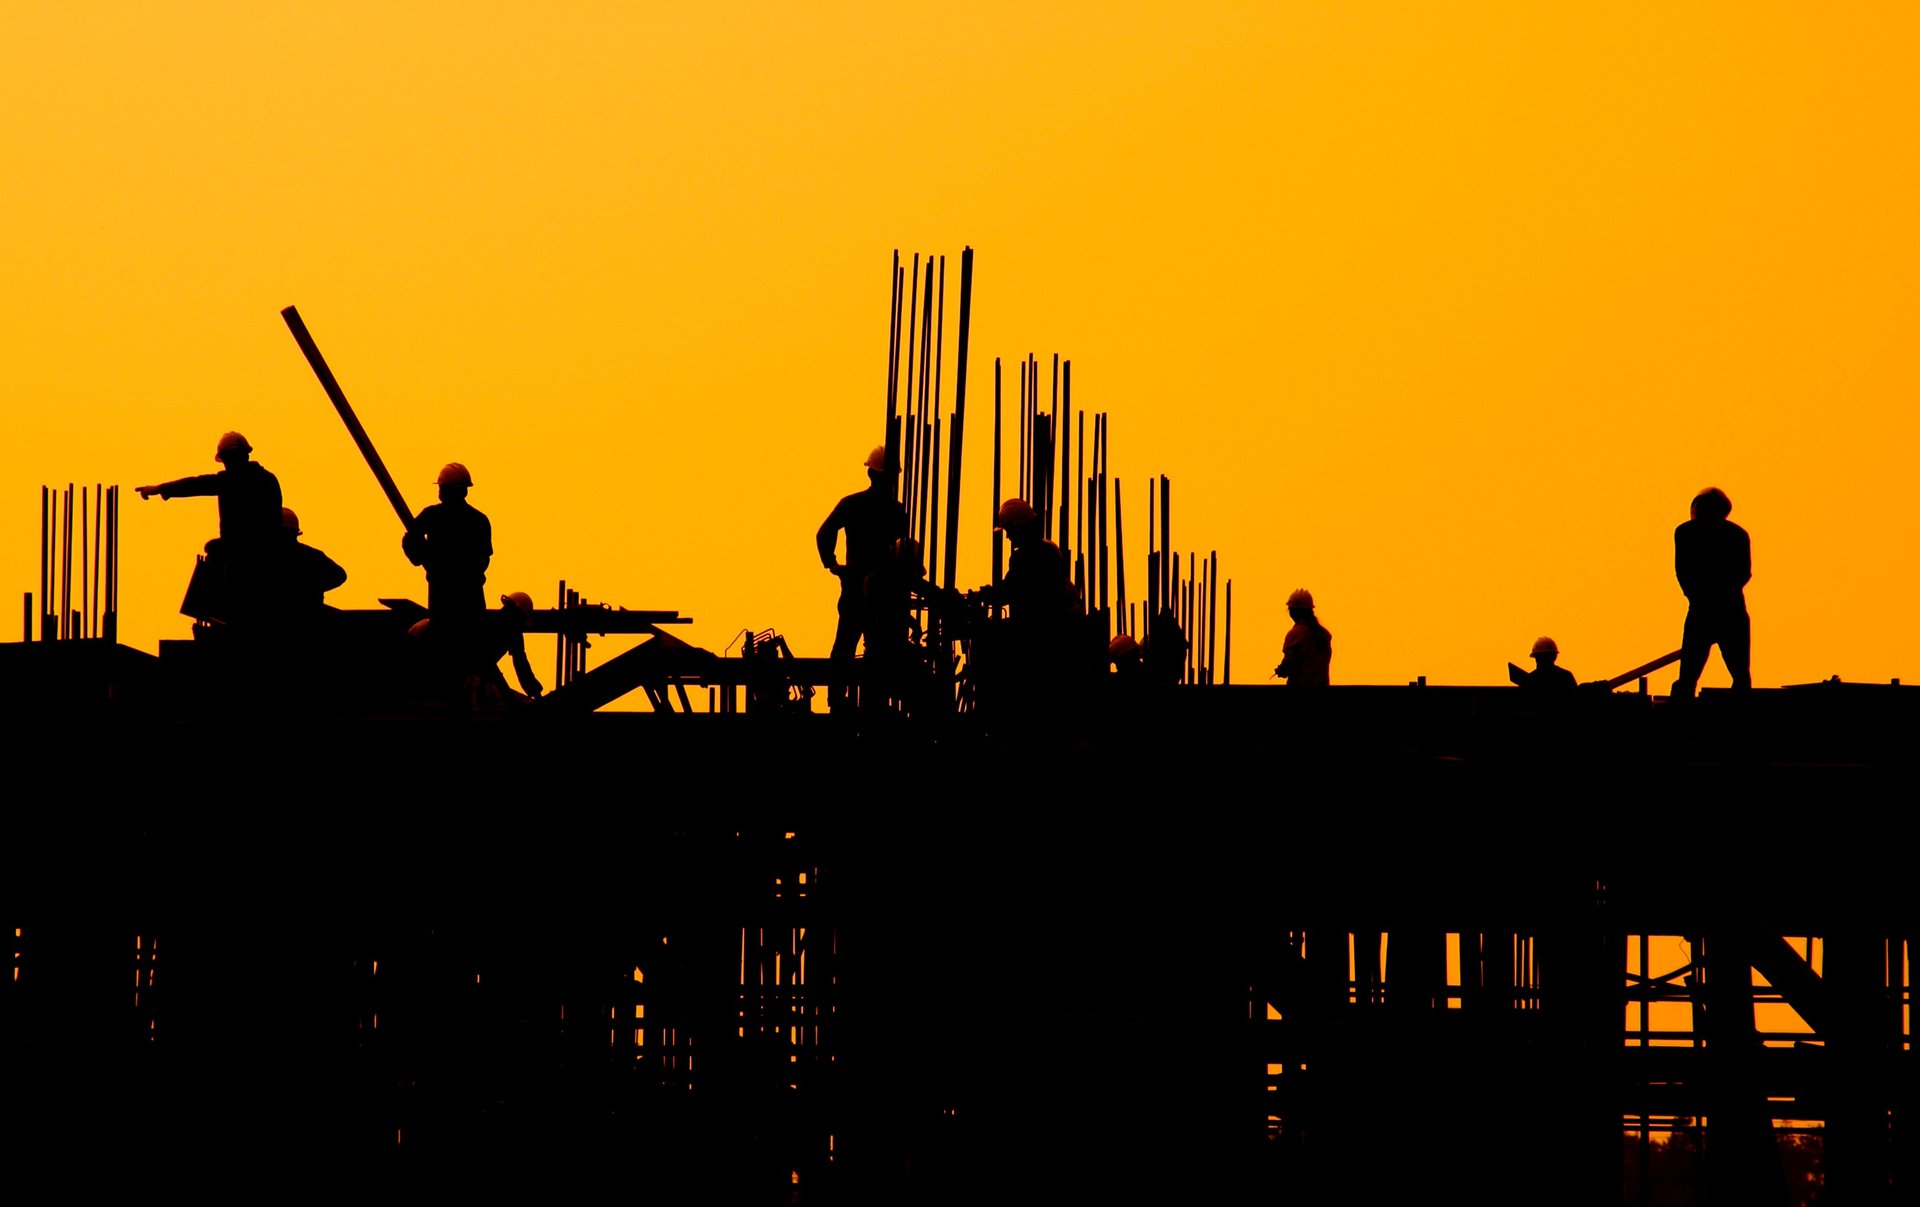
x=1441, y=311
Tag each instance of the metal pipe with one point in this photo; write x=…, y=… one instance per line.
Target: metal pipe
x=81, y=627
x=1213, y=609
x=1053, y=430
x=339, y=399
x=44, y=574
x=99, y=509
x=1100, y=446
x=1120, y=562
x=1063, y=377
x=959, y=418
x=933, y=498
x=113, y=565
x=1227, y=671
x=999, y=538
x=1166, y=541
x=66, y=564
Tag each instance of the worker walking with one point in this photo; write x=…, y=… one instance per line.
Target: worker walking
x=454, y=541
x=1306, y=655
x=234, y=579
x=1713, y=559
x=1546, y=676
x=873, y=520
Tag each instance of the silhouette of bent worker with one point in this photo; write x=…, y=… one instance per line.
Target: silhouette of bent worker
x=873, y=520
x=1713, y=559
x=454, y=541
x=504, y=637
x=1306, y=654
x=249, y=498
x=304, y=575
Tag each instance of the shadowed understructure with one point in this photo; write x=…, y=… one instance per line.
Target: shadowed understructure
x=1104, y=962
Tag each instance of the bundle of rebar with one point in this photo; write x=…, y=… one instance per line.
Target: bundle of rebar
x=95, y=613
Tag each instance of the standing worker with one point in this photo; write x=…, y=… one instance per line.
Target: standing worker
x=1306, y=655
x=1713, y=559
x=454, y=541
x=873, y=520
x=238, y=564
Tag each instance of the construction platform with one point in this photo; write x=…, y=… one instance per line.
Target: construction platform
x=1363, y=945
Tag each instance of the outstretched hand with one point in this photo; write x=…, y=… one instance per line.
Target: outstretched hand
x=146, y=492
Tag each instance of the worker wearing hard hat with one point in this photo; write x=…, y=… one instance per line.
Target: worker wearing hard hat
x=504, y=637
x=231, y=582
x=1546, y=676
x=1306, y=655
x=873, y=520
x=303, y=574
x=1038, y=588
x=454, y=541
x=1713, y=559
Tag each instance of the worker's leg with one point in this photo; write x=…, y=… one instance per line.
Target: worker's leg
x=1695, y=642
x=1736, y=648
x=846, y=639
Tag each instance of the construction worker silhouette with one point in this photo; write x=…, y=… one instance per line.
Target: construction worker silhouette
x=1713, y=559
x=303, y=574
x=1546, y=676
x=454, y=541
x=503, y=637
x=1306, y=655
x=1165, y=649
x=1037, y=588
x=235, y=579
x=873, y=520
x=1127, y=658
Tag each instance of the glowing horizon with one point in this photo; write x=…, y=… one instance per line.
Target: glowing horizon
x=1444, y=316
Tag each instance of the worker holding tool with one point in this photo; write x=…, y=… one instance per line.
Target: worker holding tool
x=231, y=582
x=873, y=520
x=504, y=637
x=1306, y=654
x=1713, y=559
x=454, y=541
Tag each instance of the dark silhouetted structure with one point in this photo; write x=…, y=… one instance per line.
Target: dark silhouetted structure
x=1713, y=559
x=873, y=520
x=1306, y=655
x=453, y=540
x=231, y=583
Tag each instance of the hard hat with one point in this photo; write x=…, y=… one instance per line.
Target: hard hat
x=1014, y=512
x=1545, y=645
x=877, y=459
x=453, y=474
x=289, y=521
x=1713, y=502
x=1301, y=598
x=230, y=442
x=1122, y=645
x=420, y=628
x=519, y=599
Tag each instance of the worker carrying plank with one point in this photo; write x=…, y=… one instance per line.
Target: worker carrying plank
x=873, y=520
x=233, y=581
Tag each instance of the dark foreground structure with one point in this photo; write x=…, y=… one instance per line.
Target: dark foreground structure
x=1388, y=945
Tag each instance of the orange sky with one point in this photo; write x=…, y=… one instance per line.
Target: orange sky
x=1442, y=311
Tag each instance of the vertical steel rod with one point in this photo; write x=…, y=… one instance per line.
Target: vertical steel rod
x=959, y=418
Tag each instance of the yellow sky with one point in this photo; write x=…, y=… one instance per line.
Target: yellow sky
x=1443, y=311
